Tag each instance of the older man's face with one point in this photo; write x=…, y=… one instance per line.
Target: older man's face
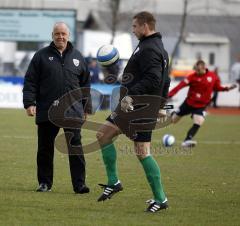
x=60, y=36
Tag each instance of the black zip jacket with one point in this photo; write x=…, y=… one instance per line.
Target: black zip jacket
x=50, y=75
x=147, y=68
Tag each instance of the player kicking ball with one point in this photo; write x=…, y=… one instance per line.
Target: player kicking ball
x=201, y=85
x=148, y=67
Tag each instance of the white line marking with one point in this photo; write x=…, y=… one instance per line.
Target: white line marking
x=84, y=139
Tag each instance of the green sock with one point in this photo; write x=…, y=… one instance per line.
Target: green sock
x=152, y=172
x=109, y=155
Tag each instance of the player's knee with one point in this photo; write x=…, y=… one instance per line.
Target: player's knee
x=101, y=138
x=201, y=122
x=198, y=119
x=142, y=151
x=98, y=135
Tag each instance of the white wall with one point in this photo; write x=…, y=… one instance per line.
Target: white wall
x=7, y=55
x=11, y=96
x=7, y=51
x=221, y=51
x=91, y=41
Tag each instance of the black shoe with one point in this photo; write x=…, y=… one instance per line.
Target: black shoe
x=156, y=206
x=43, y=188
x=82, y=190
x=109, y=191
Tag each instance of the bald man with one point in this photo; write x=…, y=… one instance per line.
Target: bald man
x=53, y=72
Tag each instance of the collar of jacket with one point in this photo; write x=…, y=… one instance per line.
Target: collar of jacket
x=69, y=46
x=157, y=34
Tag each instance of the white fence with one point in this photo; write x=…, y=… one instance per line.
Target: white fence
x=11, y=96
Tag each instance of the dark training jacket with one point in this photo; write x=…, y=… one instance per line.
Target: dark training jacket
x=147, y=69
x=50, y=76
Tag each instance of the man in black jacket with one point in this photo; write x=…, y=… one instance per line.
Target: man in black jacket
x=145, y=75
x=53, y=72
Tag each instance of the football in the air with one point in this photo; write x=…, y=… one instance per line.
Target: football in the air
x=107, y=55
x=168, y=140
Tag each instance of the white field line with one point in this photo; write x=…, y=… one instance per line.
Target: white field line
x=226, y=142
x=212, y=142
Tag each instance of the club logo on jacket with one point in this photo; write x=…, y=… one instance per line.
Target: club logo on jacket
x=50, y=58
x=76, y=62
x=198, y=95
x=209, y=79
x=56, y=103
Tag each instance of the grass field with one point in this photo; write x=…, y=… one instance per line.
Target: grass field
x=202, y=184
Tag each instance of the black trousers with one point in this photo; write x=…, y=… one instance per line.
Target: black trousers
x=47, y=133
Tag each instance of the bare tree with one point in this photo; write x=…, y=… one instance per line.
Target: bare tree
x=114, y=7
x=181, y=33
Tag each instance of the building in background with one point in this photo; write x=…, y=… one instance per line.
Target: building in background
x=214, y=39
x=212, y=32
x=212, y=29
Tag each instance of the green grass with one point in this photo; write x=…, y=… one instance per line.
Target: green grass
x=202, y=185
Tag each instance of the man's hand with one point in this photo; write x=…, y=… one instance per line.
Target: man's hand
x=233, y=86
x=127, y=104
x=31, y=111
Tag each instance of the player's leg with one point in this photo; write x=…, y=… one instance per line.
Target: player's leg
x=105, y=136
x=175, y=117
x=152, y=171
x=198, y=120
x=46, y=136
x=183, y=110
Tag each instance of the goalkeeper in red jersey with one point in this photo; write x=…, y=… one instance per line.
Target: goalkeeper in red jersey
x=201, y=85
